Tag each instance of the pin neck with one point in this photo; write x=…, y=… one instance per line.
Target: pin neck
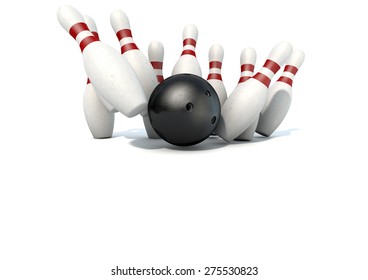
x=190, y=52
x=86, y=41
x=214, y=76
x=160, y=78
x=215, y=64
x=247, y=67
x=156, y=64
x=189, y=41
x=273, y=66
x=95, y=34
x=286, y=80
x=79, y=27
x=263, y=79
x=290, y=68
x=128, y=47
x=124, y=33
x=270, y=65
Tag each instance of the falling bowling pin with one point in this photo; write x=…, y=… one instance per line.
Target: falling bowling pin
x=215, y=57
x=108, y=71
x=279, y=96
x=248, y=59
x=246, y=102
x=140, y=64
x=99, y=118
x=93, y=28
x=156, y=57
x=188, y=62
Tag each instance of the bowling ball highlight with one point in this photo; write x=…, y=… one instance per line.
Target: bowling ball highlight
x=184, y=109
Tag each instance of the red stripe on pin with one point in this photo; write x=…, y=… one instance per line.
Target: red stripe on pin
x=95, y=34
x=78, y=28
x=273, y=66
x=156, y=64
x=262, y=78
x=214, y=76
x=124, y=33
x=189, y=41
x=286, y=80
x=247, y=67
x=243, y=79
x=290, y=68
x=86, y=41
x=190, y=52
x=215, y=64
x=160, y=78
x=128, y=47
x=88, y=81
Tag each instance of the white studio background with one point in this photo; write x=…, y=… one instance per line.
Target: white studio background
x=295, y=205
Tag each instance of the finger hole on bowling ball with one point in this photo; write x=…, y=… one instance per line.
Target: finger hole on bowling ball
x=189, y=107
x=207, y=92
x=213, y=120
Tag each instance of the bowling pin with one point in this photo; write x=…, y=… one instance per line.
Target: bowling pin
x=188, y=62
x=140, y=64
x=247, y=61
x=279, y=96
x=93, y=28
x=108, y=71
x=99, y=119
x=156, y=57
x=215, y=57
x=246, y=102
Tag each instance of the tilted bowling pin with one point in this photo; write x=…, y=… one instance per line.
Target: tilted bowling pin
x=215, y=57
x=279, y=96
x=93, y=28
x=109, y=72
x=248, y=59
x=140, y=64
x=245, y=103
x=156, y=57
x=99, y=119
x=188, y=62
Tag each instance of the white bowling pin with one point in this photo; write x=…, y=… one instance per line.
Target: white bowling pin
x=247, y=61
x=137, y=60
x=279, y=96
x=99, y=118
x=156, y=57
x=188, y=62
x=215, y=57
x=108, y=71
x=246, y=102
x=93, y=28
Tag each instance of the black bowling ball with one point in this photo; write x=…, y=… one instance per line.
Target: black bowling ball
x=184, y=109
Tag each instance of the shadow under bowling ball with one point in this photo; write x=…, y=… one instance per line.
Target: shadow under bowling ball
x=184, y=109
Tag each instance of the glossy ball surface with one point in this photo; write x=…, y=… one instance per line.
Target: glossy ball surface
x=184, y=109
